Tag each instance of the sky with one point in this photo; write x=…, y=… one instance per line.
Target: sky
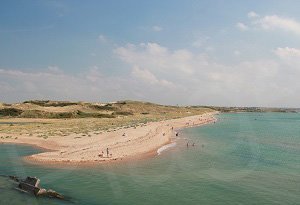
x=185, y=52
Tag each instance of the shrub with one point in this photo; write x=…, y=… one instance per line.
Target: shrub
x=94, y=115
x=48, y=103
x=122, y=113
x=42, y=114
x=10, y=112
x=105, y=107
x=37, y=102
x=121, y=102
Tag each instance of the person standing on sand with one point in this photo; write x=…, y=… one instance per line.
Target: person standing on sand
x=107, y=152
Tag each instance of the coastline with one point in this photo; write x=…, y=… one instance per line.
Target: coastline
x=123, y=144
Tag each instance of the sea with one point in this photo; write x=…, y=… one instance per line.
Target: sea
x=242, y=159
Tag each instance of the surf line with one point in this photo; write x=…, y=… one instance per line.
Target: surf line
x=165, y=147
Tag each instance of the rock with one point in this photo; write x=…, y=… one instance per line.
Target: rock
x=28, y=188
x=14, y=178
x=33, y=181
x=42, y=192
x=31, y=185
x=54, y=194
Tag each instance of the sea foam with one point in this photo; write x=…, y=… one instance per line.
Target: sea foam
x=165, y=147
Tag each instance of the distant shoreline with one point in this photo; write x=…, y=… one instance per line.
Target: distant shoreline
x=252, y=109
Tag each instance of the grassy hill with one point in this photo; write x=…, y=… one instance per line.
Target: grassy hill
x=60, y=118
x=63, y=109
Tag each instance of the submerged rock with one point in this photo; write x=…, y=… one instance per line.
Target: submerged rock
x=16, y=179
x=54, y=194
x=31, y=185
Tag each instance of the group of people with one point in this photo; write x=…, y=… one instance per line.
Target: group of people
x=172, y=128
x=193, y=144
x=107, y=153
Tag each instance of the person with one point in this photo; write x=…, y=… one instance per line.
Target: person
x=101, y=154
x=107, y=152
x=187, y=144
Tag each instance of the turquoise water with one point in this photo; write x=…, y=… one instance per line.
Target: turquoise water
x=248, y=158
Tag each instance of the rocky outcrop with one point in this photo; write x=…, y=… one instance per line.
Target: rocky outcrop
x=31, y=185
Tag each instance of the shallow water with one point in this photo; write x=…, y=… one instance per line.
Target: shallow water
x=250, y=158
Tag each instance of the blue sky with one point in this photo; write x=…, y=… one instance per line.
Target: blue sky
x=222, y=52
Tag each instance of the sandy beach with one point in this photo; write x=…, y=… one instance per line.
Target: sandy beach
x=120, y=144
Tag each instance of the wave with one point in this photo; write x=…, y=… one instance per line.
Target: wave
x=165, y=147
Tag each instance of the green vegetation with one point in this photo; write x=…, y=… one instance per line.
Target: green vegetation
x=47, y=115
x=11, y=112
x=93, y=115
x=46, y=109
x=122, y=113
x=48, y=103
x=63, y=115
x=145, y=113
x=43, y=119
x=107, y=107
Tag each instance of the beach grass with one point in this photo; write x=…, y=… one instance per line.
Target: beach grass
x=55, y=118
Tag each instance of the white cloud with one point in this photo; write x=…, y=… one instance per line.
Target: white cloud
x=102, y=39
x=199, y=79
x=6, y=87
x=288, y=52
x=91, y=85
x=94, y=74
x=159, y=74
x=155, y=56
x=200, y=41
x=276, y=22
x=242, y=26
x=54, y=69
x=252, y=14
x=144, y=75
x=17, y=85
x=291, y=56
x=209, y=48
x=148, y=77
x=157, y=28
x=237, y=53
x=270, y=22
